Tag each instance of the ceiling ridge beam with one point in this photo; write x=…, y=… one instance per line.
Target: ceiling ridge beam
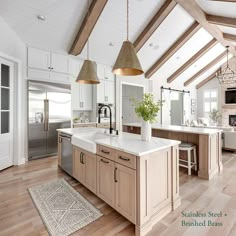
x=90, y=20
x=229, y=37
x=206, y=68
x=173, y=49
x=200, y=16
x=155, y=22
x=221, y=20
x=193, y=59
x=210, y=77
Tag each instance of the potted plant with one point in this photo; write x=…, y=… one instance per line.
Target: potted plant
x=214, y=115
x=147, y=109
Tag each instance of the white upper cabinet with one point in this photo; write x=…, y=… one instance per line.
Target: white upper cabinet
x=104, y=72
x=39, y=59
x=49, y=61
x=59, y=63
x=106, y=91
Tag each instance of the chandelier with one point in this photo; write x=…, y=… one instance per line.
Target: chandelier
x=227, y=76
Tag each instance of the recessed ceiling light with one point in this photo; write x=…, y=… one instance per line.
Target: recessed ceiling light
x=178, y=57
x=151, y=45
x=41, y=17
x=111, y=44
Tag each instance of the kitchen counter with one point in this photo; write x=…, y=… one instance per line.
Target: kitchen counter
x=132, y=143
x=207, y=141
x=127, y=142
x=139, y=179
x=184, y=129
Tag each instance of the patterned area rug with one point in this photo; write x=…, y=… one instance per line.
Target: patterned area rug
x=62, y=209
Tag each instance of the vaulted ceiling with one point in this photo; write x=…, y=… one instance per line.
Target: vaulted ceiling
x=176, y=40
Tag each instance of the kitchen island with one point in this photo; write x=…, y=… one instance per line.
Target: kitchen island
x=208, y=142
x=139, y=179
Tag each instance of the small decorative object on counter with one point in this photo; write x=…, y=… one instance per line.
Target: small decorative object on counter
x=147, y=109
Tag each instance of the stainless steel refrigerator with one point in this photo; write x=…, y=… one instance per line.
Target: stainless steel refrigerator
x=49, y=108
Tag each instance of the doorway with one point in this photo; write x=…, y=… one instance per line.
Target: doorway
x=6, y=113
x=128, y=111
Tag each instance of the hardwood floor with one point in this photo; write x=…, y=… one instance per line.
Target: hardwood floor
x=18, y=215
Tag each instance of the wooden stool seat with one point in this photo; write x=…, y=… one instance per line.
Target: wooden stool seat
x=189, y=164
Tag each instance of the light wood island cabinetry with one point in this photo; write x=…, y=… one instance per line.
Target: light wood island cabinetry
x=139, y=179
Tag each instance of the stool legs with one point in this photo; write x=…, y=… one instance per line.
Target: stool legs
x=189, y=162
x=195, y=158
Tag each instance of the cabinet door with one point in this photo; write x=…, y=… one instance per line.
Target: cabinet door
x=90, y=171
x=78, y=165
x=59, y=63
x=38, y=59
x=75, y=95
x=125, y=183
x=109, y=92
x=105, y=180
x=101, y=92
x=86, y=97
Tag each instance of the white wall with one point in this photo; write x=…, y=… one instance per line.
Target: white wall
x=14, y=49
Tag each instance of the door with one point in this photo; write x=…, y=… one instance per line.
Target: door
x=78, y=165
x=39, y=59
x=59, y=63
x=176, y=108
x=6, y=114
x=105, y=180
x=125, y=182
x=37, y=143
x=90, y=171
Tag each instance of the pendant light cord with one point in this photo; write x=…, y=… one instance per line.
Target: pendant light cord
x=127, y=19
x=227, y=56
x=88, y=32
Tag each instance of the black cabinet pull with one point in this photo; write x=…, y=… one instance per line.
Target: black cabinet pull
x=106, y=152
x=104, y=161
x=82, y=158
x=115, y=175
x=124, y=158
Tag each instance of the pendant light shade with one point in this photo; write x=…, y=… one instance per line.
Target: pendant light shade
x=127, y=62
x=87, y=74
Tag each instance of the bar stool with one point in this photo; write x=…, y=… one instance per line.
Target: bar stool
x=189, y=164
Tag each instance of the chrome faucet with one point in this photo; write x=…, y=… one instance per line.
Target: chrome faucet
x=99, y=117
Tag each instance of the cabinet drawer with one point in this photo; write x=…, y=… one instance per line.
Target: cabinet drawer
x=126, y=159
x=106, y=152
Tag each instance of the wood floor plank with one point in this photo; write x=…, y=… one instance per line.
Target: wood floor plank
x=18, y=215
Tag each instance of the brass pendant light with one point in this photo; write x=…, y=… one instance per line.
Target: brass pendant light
x=88, y=72
x=127, y=63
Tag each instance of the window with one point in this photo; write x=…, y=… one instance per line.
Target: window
x=210, y=101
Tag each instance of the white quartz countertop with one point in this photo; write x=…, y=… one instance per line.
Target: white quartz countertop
x=132, y=143
x=175, y=128
x=126, y=142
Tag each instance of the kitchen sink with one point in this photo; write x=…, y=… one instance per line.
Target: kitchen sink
x=87, y=141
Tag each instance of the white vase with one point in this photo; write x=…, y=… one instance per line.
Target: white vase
x=146, y=131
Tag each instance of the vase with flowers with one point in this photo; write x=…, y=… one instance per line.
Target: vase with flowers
x=147, y=109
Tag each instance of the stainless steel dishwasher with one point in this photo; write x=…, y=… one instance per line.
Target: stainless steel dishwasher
x=66, y=153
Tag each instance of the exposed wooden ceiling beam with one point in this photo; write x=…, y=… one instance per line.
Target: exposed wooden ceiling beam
x=206, y=68
x=212, y=76
x=90, y=20
x=221, y=20
x=193, y=59
x=160, y=16
x=200, y=16
x=229, y=37
x=173, y=49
